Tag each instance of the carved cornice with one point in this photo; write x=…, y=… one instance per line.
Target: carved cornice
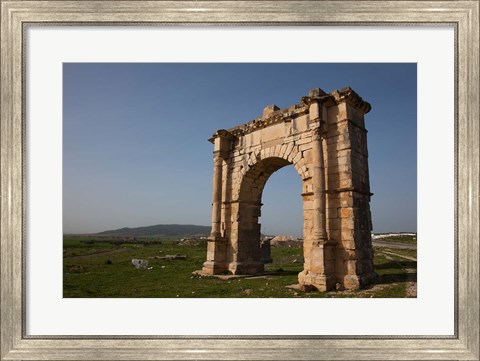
x=325, y=99
x=221, y=133
x=278, y=116
x=287, y=114
x=350, y=96
x=339, y=96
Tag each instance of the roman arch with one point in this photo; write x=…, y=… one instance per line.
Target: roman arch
x=325, y=139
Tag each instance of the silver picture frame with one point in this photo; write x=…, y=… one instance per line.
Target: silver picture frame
x=17, y=15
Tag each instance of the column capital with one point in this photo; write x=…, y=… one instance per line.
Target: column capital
x=217, y=195
x=318, y=131
x=222, y=142
x=221, y=133
x=217, y=158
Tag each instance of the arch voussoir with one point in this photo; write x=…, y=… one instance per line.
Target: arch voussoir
x=263, y=154
x=276, y=151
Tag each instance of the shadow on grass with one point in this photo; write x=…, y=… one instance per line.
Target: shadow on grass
x=284, y=273
x=399, y=265
x=395, y=271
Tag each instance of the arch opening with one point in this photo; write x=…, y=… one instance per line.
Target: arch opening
x=282, y=204
x=248, y=256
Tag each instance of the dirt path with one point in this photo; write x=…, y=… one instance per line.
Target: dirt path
x=98, y=254
x=411, y=289
x=411, y=282
x=399, y=255
x=394, y=244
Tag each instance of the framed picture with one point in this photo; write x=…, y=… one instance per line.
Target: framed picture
x=47, y=45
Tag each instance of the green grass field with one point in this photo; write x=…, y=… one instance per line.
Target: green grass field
x=102, y=269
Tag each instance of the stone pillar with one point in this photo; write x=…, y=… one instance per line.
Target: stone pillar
x=217, y=245
x=217, y=196
x=319, y=220
x=319, y=251
x=348, y=189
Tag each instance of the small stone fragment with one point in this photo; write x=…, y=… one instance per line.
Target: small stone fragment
x=140, y=263
x=339, y=287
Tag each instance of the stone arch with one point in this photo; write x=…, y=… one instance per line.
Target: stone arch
x=276, y=156
x=324, y=138
x=247, y=255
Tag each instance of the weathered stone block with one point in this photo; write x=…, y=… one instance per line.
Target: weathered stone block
x=307, y=206
x=292, y=155
x=346, y=212
x=315, y=111
x=272, y=144
x=342, y=111
x=352, y=267
x=355, y=116
x=269, y=110
x=303, y=141
x=301, y=123
x=351, y=282
x=334, y=235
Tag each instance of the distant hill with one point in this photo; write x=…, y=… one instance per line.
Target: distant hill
x=170, y=230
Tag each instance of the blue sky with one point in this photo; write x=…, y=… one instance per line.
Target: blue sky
x=135, y=149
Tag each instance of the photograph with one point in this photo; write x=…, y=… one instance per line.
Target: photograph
x=239, y=180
